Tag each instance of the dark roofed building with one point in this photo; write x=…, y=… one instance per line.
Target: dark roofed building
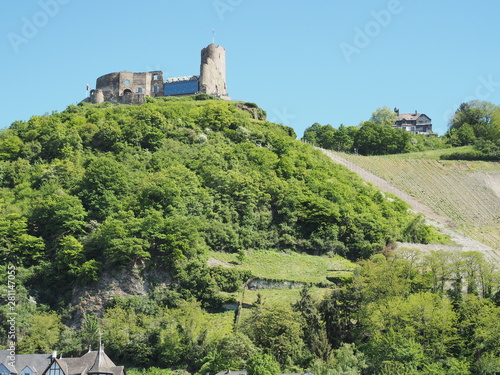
x=24, y=364
x=415, y=123
x=92, y=363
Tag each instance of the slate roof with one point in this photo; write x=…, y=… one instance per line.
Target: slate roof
x=92, y=362
x=38, y=363
x=410, y=116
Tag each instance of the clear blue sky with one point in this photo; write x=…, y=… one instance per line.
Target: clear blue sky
x=327, y=61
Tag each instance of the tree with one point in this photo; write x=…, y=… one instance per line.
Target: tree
x=104, y=182
x=377, y=139
x=339, y=311
x=311, y=134
x=69, y=256
x=465, y=135
x=218, y=116
x=343, y=138
x=16, y=245
x=10, y=146
x=42, y=334
x=368, y=139
x=440, y=269
x=89, y=331
x=56, y=213
x=381, y=277
x=277, y=329
x=347, y=361
x=119, y=239
x=384, y=116
x=314, y=330
x=326, y=136
x=262, y=364
x=480, y=116
x=478, y=325
x=230, y=353
x=414, y=330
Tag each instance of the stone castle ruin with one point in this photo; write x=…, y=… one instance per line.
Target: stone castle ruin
x=133, y=88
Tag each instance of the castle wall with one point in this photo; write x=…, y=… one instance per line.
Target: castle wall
x=129, y=87
x=137, y=83
x=156, y=81
x=109, y=85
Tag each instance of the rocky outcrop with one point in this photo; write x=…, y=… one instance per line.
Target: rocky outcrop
x=125, y=282
x=255, y=111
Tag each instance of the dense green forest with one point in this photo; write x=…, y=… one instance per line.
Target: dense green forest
x=474, y=123
x=99, y=188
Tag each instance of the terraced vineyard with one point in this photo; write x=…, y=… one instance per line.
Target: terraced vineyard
x=468, y=193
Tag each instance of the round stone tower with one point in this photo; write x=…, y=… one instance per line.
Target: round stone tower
x=96, y=96
x=213, y=71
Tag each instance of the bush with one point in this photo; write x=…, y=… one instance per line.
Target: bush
x=204, y=97
x=228, y=279
x=471, y=155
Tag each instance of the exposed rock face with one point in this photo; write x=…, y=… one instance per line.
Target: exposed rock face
x=115, y=283
x=255, y=111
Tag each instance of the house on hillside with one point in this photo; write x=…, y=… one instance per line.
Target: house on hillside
x=414, y=123
x=24, y=364
x=91, y=363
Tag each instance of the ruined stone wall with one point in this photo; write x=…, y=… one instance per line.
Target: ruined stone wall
x=135, y=82
x=156, y=81
x=213, y=71
x=109, y=86
x=128, y=87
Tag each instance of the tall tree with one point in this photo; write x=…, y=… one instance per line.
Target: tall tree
x=277, y=329
x=384, y=116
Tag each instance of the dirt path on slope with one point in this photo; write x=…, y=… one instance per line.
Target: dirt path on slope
x=444, y=224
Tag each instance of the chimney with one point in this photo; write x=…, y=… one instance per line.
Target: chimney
x=54, y=354
x=396, y=109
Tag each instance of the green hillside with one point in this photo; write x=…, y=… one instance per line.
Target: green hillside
x=99, y=187
x=142, y=223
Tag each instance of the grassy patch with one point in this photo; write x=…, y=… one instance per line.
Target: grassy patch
x=282, y=266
